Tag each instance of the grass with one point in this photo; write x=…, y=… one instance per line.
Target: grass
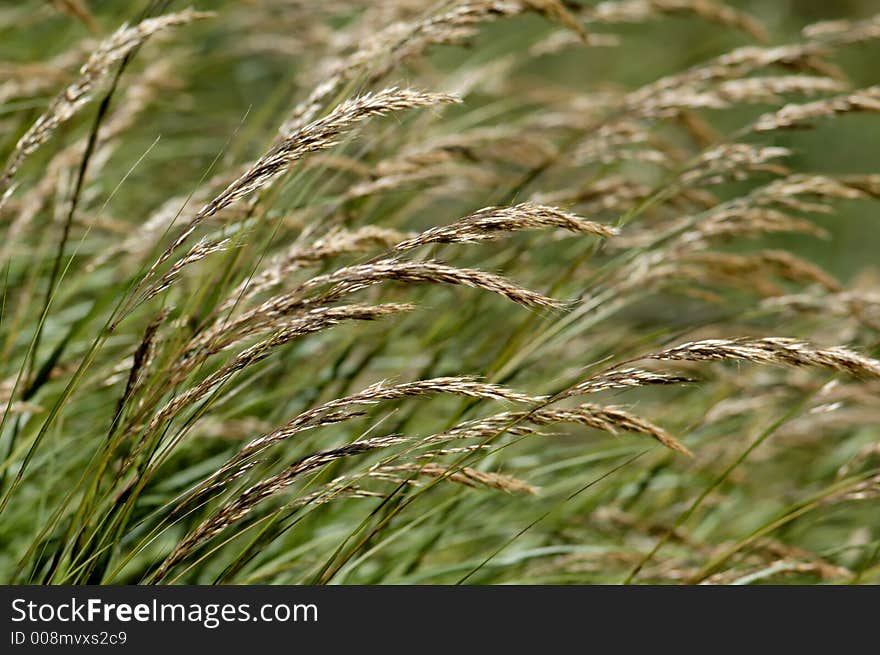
x=487, y=292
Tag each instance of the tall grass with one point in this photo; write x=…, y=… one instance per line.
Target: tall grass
x=384, y=292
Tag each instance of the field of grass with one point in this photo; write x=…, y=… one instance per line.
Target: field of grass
x=405, y=292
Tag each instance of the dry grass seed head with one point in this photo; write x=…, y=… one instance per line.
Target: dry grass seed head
x=773, y=350
x=93, y=72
